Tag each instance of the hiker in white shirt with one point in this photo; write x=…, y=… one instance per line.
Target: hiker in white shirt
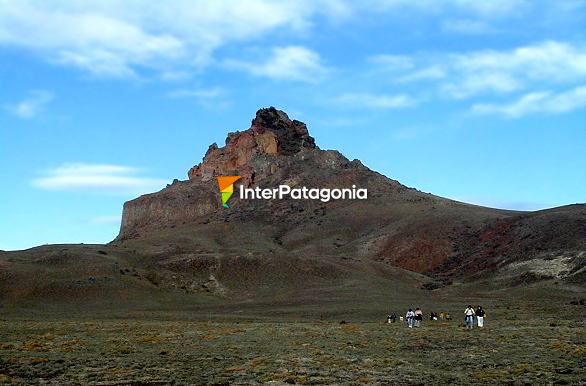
x=469, y=312
x=409, y=316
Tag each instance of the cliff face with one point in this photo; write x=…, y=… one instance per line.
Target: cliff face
x=272, y=146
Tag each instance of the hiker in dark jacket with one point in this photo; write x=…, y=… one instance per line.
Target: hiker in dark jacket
x=418, y=317
x=480, y=316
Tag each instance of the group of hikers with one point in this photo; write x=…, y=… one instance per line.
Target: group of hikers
x=470, y=314
x=414, y=318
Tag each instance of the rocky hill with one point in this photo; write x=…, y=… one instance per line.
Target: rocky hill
x=397, y=225
x=399, y=240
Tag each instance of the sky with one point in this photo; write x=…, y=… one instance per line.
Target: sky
x=101, y=101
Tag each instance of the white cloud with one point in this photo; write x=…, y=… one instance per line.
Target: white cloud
x=537, y=102
x=520, y=68
x=199, y=94
x=100, y=178
x=32, y=105
x=116, y=39
x=214, y=97
x=90, y=37
x=427, y=73
x=119, y=39
x=549, y=60
x=473, y=84
x=294, y=63
x=470, y=74
x=374, y=101
x=392, y=62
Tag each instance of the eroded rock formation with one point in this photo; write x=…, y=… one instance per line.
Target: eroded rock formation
x=272, y=134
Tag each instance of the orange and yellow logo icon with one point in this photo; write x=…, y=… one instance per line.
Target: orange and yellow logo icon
x=226, y=185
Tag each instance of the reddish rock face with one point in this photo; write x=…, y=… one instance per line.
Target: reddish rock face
x=272, y=134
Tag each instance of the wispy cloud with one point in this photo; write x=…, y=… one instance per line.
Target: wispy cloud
x=32, y=105
x=118, y=39
x=374, y=101
x=198, y=93
x=392, y=62
x=98, y=178
x=207, y=97
x=432, y=72
x=100, y=39
x=505, y=71
x=464, y=75
x=537, y=102
x=292, y=63
x=523, y=71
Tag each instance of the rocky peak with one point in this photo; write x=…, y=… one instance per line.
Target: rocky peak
x=272, y=134
x=292, y=136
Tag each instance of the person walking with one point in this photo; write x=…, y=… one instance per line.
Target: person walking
x=480, y=316
x=418, y=317
x=393, y=318
x=469, y=316
x=409, y=316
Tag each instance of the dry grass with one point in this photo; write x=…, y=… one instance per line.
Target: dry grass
x=526, y=350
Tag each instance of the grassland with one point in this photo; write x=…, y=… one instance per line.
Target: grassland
x=521, y=344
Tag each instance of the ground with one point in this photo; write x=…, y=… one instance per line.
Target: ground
x=527, y=343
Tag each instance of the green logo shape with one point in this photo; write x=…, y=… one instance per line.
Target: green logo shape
x=226, y=184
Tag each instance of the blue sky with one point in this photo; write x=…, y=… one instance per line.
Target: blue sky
x=101, y=101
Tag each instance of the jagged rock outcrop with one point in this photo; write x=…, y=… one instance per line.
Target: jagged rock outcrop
x=271, y=134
